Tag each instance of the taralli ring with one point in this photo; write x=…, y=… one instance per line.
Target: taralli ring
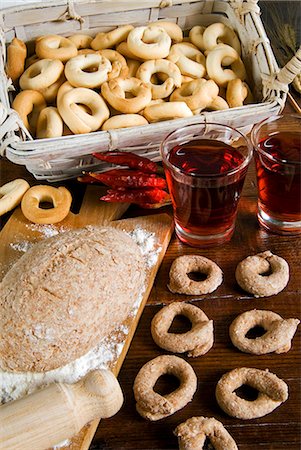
x=220, y=33
x=224, y=55
x=167, y=111
x=11, y=194
x=16, y=55
x=154, y=406
x=272, y=392
x=179, y=281
x=53, y=46
x=197, y=94
x=59, y=197
x=192, y=434
x=189, y=59
x=237, y=93
x=81, y=40
x=115, y=91
x=196, y=36
x=50, y=123
x=196, y=341
x=118, y=62
x=29, y=103
x=41, y=74
x=124, y=121
x=278, y=334
x=75, y=70
x=263, y=274
x=149, y=42
x=147, y=69
x=112, y=38
x=172, y=29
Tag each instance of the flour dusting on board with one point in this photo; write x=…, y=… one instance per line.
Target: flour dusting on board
x=17, y=384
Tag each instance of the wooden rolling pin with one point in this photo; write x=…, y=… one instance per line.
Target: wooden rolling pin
x=51, y=415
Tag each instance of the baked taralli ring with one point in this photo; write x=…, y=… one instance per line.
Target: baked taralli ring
x=198, y=94
x=112, y=38
x=179, y=281
x=76, y=74
x=197, y=341
x=250, y=274
x=29, y=103
x=81, y=41
x=50, y=123
x=220, y=33
x=149, y=42
x=172, y=29
x=50, y=93
x=193, y=432
x=154, y=406
x=11, y=194
x=237, y=93
x=189, y=59
x=124, y=121
x=277, y=337
x=16, y=56
x=53, y=46
x=166, y=111
x=196, y=36
x=272, y=392
x=59, y=197
x=41, y=74
x=151, y=67
x=221, y=55
x=118, y=62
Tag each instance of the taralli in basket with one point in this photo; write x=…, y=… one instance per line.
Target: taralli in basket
x=154, y=406
x=112, y=38
x=167, y=111
x=124, y=50
x=220, y=33
x=147, y=69
x=238, y=92
x=59, y=197
x=179, y=281
x=192, y=434
x=218, y=104
x=31, y=60
x=196, y=341
x=11, y=194
x=196, y=36
x=124, y=121
x=50, y=123
x=16, y=56
x=53, y=46
x=81, y=41
x=272, y=392
x=133, y=66
x=50, y=93
x=216, y=60
x=189, y=59
x=76, y=70
x=115, y=91
x=41, y=74
x=29, y=103
x=149, y=42
x=198, y=94
x=277, y=337
x=251, y=274
x=119, y=64
x=76, y=118
x=172, y=29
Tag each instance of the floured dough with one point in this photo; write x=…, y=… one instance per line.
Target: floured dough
x=57, y=294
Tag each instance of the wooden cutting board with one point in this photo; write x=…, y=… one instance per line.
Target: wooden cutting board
x=18, y=234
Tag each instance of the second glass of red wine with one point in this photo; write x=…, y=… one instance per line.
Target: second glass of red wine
x=205, y=167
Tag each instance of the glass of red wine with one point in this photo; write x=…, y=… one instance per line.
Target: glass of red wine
x=205, y=166
x=277, y=153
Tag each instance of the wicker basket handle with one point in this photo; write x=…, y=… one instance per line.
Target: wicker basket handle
x=291, y=69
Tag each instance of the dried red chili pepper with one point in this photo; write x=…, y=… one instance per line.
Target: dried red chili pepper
x=140, y=196
x=128, y=178
x=131, y=160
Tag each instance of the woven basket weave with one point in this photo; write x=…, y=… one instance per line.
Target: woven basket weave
x=67, y=156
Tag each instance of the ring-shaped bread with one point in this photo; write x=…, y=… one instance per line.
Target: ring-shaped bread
x=133, y=66
x=118, y=62
x=76, y=70
x=277, y=337
x=53, y=46
x=81, y=40
x=179, y=281
x=189, y=59
x=237, y=92
x=224, y=55
x=217, y=104
x=196, y=36
x=50, y=93
x=192, y=434
x=217, y=33
x=111, y=38
x=29, y=103
x=74, y=115
x=41, y=74
x=251, y=274
x=149, y=42
x=197, y=341
x=172, y=29
x=114, y=91
x=59, y=197
x=150, y=404
x=198, y=94
x=166, y=111
x=272, y=391
x=50, y=123
x=154, y=66
x=15, y=59
x=124, y=50
x=11, y=194
x=124, y=121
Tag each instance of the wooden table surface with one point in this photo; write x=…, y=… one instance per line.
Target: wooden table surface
x=279, y=430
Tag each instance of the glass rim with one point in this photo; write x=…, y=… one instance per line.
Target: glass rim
x=258, y=149
x=217, y=175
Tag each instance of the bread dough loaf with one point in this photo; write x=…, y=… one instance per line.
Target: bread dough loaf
x=65, y=294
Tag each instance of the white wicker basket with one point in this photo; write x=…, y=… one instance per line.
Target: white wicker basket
x=67, y=156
